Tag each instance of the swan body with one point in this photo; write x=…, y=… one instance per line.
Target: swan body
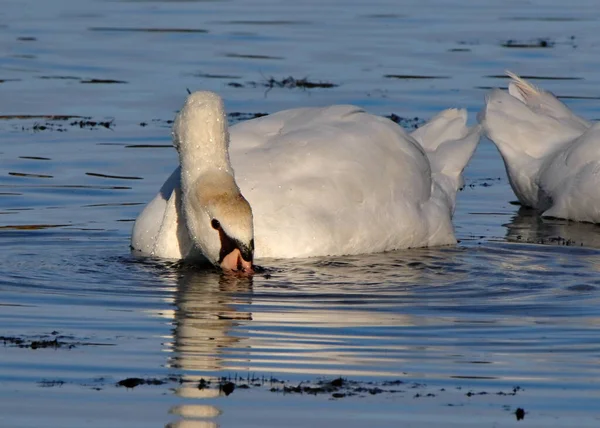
x=320, y=181
x=552, y=156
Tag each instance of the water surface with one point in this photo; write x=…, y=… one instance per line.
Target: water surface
x=456, y=336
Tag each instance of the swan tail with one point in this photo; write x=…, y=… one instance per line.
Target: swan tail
x=527, y=121
x=543, y=102
x=523, y=90
x=449, y=153
x=451, y=157
x=447, y=125
x=448, y=142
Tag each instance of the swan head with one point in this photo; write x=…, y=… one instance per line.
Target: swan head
x=220, y=222
x=216, y=213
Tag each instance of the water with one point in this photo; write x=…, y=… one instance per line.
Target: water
x=507, y=319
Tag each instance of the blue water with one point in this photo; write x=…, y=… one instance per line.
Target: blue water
x=515, y=303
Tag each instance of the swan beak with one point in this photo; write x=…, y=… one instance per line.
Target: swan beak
x=235, y=262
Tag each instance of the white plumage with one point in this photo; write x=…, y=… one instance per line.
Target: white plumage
x=552, y=157
x=331, y=181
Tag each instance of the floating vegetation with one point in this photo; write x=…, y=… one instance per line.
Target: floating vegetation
x=237, y=116
x=50, y=383
x=56, y=122
x=26, y=227
x=53, y=340
x=24, y=174
x=119, y=177
x=291, y=83
x=537, y=43
x=531, y=77
x=132, y=382
x=287, y=83
x=520, y=414
x=34, y=158
x=484, y=182
x=102, y=81
x=217, y=76
x=149, y=30
x=413, y=77
x=252, y=56
x=409, y=123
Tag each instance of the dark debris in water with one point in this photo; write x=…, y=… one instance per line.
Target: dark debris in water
x=53, y=340
x=34, y=116
x=233, y=117
x=82, y=80
x=406, y=122
x=25, y=174
x=539, y=43
x=132, y=382
x=103, y=81
x=252, y=56
x=118, y=177
x=534, y=77
x=50, y=383
x=287, y=83
x=550, y=240
x=217, y=76
x=413, y=77
x=86, y=123
x=58, y=123
x=237, y=116
x=62, y=123
x=226, y=387
x=149, y=30
x=484, y=182
x=333, y=389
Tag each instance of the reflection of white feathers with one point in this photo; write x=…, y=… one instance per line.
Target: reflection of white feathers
x=527, y=226
x=334, y=180
x=552, y=156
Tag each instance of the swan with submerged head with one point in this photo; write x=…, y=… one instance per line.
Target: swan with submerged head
x=552, y=156
x=308, y=182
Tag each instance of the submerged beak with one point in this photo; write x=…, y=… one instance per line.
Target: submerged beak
x=235, y=256
x=235, y=262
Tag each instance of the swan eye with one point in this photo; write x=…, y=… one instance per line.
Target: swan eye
x=215, y=224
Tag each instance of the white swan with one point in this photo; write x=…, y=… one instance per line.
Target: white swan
x=552, y=157
x=320, y=181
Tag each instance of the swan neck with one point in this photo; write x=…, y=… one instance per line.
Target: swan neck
x=202, y=140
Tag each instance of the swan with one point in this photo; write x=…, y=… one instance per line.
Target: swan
x=314, y=181
x=551, y=156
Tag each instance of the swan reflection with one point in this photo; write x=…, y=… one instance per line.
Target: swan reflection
x=334, y=316
x=528, y=226
x=204, y=317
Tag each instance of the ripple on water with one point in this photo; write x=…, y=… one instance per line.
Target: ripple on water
x=506, y=320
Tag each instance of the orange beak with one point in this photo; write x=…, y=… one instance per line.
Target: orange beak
x=235, y=262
